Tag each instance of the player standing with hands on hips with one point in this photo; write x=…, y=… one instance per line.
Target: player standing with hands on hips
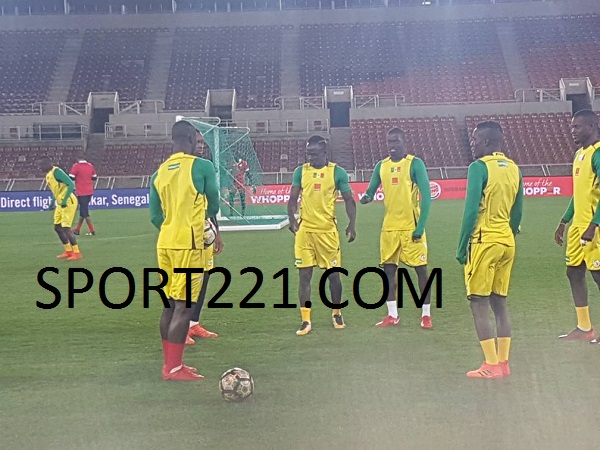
x=317, y=241
x=583, y=241
x=402, y=239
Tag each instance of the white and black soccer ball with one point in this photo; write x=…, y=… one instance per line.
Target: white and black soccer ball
x=210, y=233
x=236, y=385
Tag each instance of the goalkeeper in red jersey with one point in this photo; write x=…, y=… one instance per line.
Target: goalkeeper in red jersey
x=241, y=179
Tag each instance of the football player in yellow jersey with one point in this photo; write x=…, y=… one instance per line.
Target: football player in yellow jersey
x=583, y=241
x=317, y=241
x=62, y=188
x=493, y=210
x=183, y=192
x=196, y=329
x=402, y=240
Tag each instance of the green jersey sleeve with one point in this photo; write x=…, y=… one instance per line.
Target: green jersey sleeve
x=596, y=169
x=516, y=213
x=297, y=177
x=205, y=181
x=341, y=179
x=375, y=181
x=570, y=212
x=418, y=174
x=62, y=177
x=156, y=212
x=476, y=181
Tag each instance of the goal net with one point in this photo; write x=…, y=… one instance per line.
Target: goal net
x=239, y=176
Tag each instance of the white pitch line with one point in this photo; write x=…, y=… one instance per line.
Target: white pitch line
x=92, y=238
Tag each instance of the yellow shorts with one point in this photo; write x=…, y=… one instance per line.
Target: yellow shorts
x=398, y=247
x=65, y=216
x=488, y=269
x=577, y=253
x=169, y=260
x=317, y=249
x=209, y=258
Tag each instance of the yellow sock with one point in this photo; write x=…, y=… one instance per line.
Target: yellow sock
x=503, y=348
x=489, y=350
x=583, y=318
x=68, y=248
x=76, y=248
x=305, y=312
x=336, y=311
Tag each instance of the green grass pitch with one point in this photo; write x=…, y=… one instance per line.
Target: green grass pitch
x=89, y=377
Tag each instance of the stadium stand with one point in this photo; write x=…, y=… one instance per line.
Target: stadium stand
x=21, y=162
x=534, y=138
x=244, y=58
x=27, y=63
x=25, y=7
x=354, y=54
x=436, y=140
x=277, y=154
x=133, y=159
x=560, y=47
x=425, y=62
x=113, y=60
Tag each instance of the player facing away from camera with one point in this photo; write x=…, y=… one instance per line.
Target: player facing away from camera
x=492, y=215
x=404, y=179
x=84, y=175
x=583, y=241
x=61, y=187
x=183, y=191
x=317, y=241
x=197, y=330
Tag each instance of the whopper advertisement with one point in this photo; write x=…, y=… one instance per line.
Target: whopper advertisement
x=273, y=194
x=440, y=190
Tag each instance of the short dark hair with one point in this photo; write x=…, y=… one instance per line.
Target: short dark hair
x=396, y=130
x=182, y=131
x=590, y=116
x=316, y=139
x=490, y=125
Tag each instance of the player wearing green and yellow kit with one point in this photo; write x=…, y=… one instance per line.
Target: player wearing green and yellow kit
x=196, y=329
x=583, y=242
x=402, y=240
x=62, y=187
x=317, y=241
x=183, y=192
x=493, y=210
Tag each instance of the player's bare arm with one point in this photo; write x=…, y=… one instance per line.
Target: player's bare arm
x=351, y=212
x=292, y=208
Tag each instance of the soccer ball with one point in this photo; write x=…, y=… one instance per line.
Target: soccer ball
x=236, y=385
x=210, y=233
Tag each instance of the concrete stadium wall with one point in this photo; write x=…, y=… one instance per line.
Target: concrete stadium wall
x=16, y=120
x=459, y=111
x=299, y=17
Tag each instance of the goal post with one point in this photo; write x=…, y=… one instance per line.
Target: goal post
x=239, y=177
